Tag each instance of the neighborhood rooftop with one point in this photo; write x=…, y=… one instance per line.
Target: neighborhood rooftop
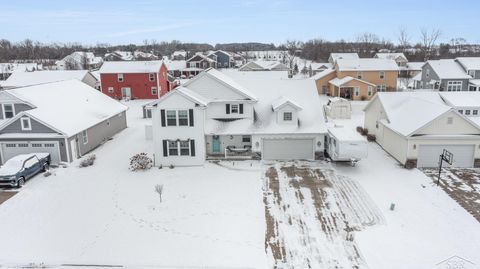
x=365, y=64
x=22, y=79
x=448, y=69
x=68, y=106
x=131, y=67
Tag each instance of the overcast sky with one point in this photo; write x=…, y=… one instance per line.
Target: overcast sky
x=223, y=21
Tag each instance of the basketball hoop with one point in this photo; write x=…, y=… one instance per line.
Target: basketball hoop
x=447, y=157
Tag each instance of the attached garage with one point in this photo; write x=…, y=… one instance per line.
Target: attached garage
x=13, y=148
x=463, y=155
x=288, y=149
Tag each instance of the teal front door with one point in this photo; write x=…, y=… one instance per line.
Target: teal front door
x=216, y=144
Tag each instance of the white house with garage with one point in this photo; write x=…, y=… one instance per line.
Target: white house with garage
x=415, y=127
x=67, y=119
x=212, y=116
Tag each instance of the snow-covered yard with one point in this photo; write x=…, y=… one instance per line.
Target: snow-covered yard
x=105, y=214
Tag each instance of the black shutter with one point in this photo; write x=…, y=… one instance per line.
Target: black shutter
x=162, y=115
x=227, y=107
x=190, y=115
x=192, y=147
x=165, y=152
x=241, y=108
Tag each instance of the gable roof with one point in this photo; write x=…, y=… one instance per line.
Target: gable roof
x=391, y=55
x=340, y=81
x=348, y=56
x=203, y=57
x=324, y=73
x=224, y=79
x=23, y=79
x=283, y=101
x=461, y=99
x=71, y=106
x=469, y=63
x=448, y=69
x=416, y=66
x=251, y=65
x=407, y=112
x=370, y=64
x=115, y=67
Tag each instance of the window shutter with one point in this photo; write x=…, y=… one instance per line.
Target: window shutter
x=227, y=107
x=162, y=115
x=192, y=147
x=240, y=108
x=190, y=115
x=165, y=152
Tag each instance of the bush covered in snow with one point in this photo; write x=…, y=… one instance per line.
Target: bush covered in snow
x=140, y=161
x=88, y=161
x=371, y=137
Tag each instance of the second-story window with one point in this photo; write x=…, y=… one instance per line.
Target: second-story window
x=8, y=111
x=234, y=109
x=120, y=77
x=360, y=75
x=287, y=116
x=171, y=118
x=183, y=118
x=382, y=74
x=151, y=76
x=154, y=91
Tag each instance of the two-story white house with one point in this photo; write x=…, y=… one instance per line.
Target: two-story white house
x=213, y=116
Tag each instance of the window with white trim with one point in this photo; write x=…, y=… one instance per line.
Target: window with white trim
x=183, y=118
x=287, y=116
x=120, y=77
x=184, y=148
x=36, y=145
x=370, y=91
x=454, y=86
x=11, y=145
x=171, y=118
x=360, y=75
x=475, y=112
x=49, y=145
x=460, y=111
x=471, y=73
x=26, y=124
x=8, y=111
x=449, y=120
x=110, y=89
x=172, y=148
x=154, y=91
x=234, y=108
x=381, y=88
x=246, y=139
x=467, y=112
x=84, y=137
x=382, y=74
x=23, y=145
x=151, y=76
x=356, y=91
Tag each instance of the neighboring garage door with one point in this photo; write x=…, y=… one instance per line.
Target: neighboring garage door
x=288, y=149
x=12, y=149
x=463, y=155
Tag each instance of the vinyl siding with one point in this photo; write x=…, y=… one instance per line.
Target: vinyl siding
x=37, y=127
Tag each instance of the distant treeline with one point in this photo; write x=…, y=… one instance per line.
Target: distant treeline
x=366, y=45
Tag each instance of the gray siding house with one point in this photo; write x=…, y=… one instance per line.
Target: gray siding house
x=223, y=59
x=74, y=121
x=444, y=75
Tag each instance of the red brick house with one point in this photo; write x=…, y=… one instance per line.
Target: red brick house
x=134, y=79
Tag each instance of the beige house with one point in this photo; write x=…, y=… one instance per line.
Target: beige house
x=358, y=79
x=415, y=128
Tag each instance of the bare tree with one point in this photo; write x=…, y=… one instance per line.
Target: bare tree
x=428, y=38
x=159, y=190
x=403, y=38
x=366, y=41
x=292, y=47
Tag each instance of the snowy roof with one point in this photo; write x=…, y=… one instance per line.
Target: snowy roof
x=282, y=101
x=417, y=77
x=469, y=63
x=22, y=79
x=448, y=69
x=68, y=106
x=124, y=55
x=323, y=74
x=8, y=68
x=415, y=65
x=78, y=56
x=131, y=67
x=175, y=64
x=461, y=99
x=215, y=74
x=269, y=88
x=192, y=95
x=340, y=81
x=320, y=65
x=475, y=82
x=179, y=53
x=269, y=65
x=346, y=134
x=204, y=57
x=371, y=64
x=409, y=111
x=390, y=55
x=348, y=56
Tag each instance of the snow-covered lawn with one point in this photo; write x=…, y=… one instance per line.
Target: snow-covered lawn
x=105, y=214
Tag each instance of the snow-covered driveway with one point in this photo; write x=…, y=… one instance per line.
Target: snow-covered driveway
x=105, y=214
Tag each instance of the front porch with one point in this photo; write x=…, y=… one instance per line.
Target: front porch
x=232, y=147
x=343, y=92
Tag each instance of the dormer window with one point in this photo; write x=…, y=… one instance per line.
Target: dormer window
x=234, y=109
x=287, y=116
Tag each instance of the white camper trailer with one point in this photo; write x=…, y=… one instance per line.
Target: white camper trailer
x=344, y=144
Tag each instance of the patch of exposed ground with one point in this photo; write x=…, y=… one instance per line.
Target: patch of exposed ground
x=5, y=195
x=462, y=185
x=312, y=215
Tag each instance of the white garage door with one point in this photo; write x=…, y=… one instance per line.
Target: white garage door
x=12, y=149
x=428, y=155
x=288, y=149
